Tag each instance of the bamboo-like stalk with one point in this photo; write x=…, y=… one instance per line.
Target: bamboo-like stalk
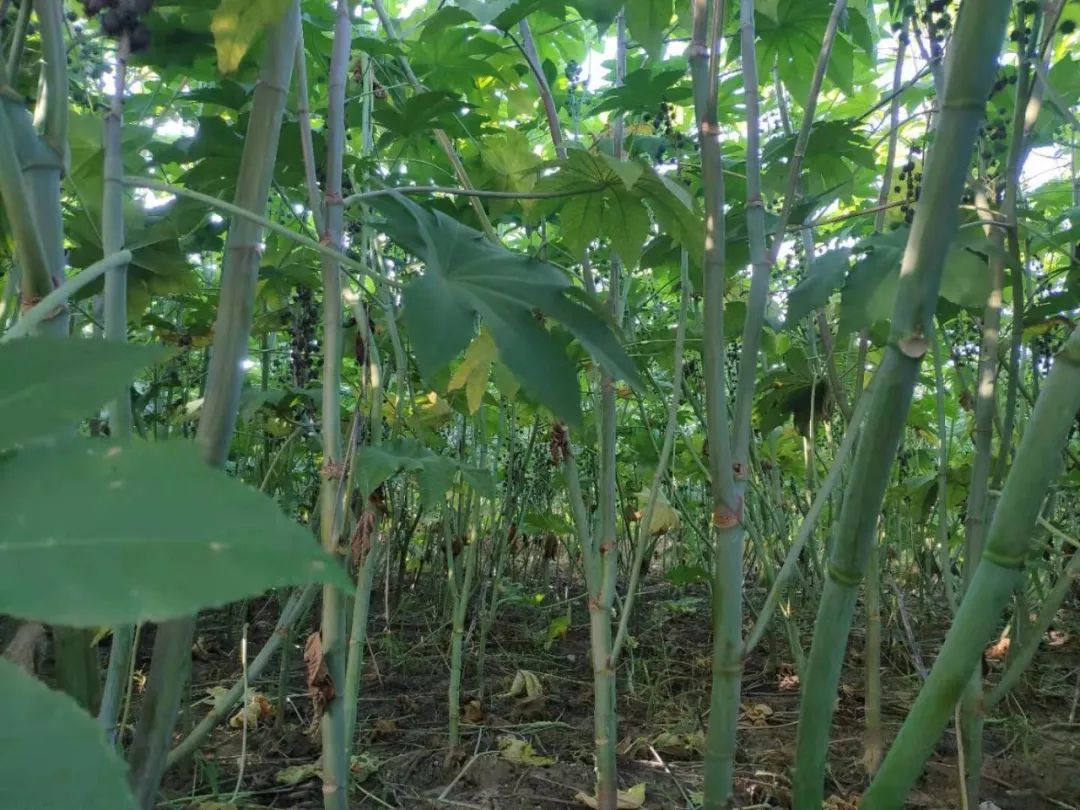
x=973, y=61
x=944, y=557
x=371, y=381
x=172, y=645
x=971, y=711
x=335, y=754
x=726, y=534
x=115, y=309
x=997, y=575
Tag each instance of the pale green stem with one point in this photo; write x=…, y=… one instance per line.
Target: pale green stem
x=172, y=647
x=115, y=309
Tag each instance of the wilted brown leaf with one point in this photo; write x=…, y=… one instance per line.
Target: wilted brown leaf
x=320, y=684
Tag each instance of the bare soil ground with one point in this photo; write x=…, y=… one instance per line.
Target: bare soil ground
x=1032, y=742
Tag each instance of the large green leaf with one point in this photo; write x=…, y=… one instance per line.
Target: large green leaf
x=237, y=23
x=48, y=383
x=97, y=533
x=435, y=473
x=467, y=276
x=648, y=21
x=55, y=755
x=826, y=274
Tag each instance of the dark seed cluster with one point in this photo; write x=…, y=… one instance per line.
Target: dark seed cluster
x=305, y=318
x=910, y=183
x=119, y=17
x=663, y=126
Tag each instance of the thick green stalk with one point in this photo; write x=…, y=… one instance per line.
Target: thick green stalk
x=973, y=61
x=726, y=531
x=335, y=747
x=172, y=646
x=998, y=574
x=371, y=381
x=971, y=711
x=115, y=308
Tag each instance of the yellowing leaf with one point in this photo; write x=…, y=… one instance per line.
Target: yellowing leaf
x=664, y=518
x=525, y=683
x=361, y=766
x=295, y=774
x=557, y=629
x=236, y=24
x=472, y=374
x=521, y=752
x=632, y=799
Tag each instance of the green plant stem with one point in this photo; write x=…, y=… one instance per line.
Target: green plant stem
x=46, y=308
x=18, y=37
x=975, y=46
x=296, y=606
x=994, y=581
x=335, y=745
x=172, y=646
x=115, y=318
x=872, y=740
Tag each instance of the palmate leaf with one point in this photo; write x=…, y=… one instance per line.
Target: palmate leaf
x=467, y=276
x=100, y=533
x=826, y=274
x=55, y=756
x=435, y=473
x=648, y=21
x=237, y=23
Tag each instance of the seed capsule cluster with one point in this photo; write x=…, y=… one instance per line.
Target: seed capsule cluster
x=119, y=17
x=305, y=318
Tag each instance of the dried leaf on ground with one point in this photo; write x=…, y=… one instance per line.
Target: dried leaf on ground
x=525, y=684
x=521, y=752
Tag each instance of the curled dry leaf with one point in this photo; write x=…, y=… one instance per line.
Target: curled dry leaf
x=255, y=710
x=758, y=714
x=320, y=684
x=473, y=712
x=526, y=685
x=360, y=543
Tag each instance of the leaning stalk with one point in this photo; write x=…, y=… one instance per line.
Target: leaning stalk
x=335, y=755
x=973, y=60
x=994, y=581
